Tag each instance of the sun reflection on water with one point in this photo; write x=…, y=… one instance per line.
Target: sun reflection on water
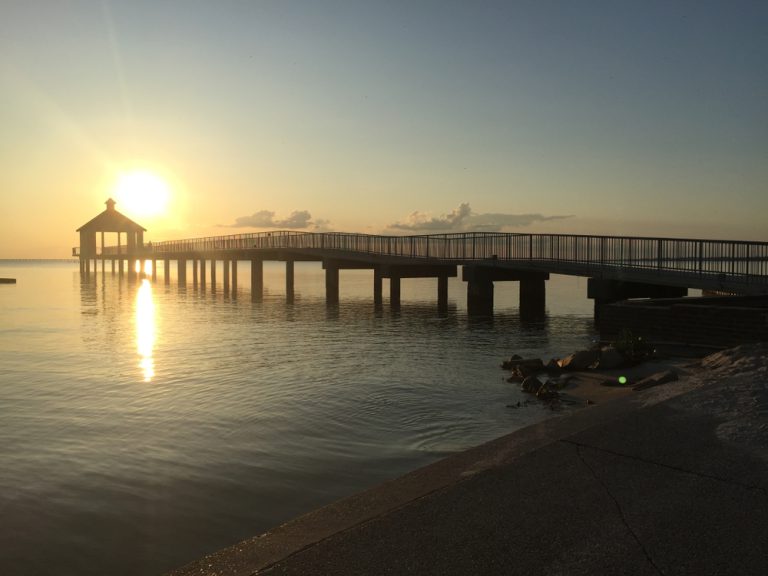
x=145, y=329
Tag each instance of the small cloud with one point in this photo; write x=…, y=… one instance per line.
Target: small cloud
x=421, y=221
x=463, y=219
x=298, y=219
x=322, y=225
x=496, y=222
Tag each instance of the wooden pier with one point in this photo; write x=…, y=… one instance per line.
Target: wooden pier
x=617, y=267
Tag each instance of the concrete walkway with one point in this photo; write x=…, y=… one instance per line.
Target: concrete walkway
x=672, y=480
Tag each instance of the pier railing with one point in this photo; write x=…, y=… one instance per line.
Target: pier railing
x=724, y=258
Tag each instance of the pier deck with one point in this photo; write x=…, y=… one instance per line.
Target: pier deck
x=618, y=267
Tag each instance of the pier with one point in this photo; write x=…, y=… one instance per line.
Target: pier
x=617, y=267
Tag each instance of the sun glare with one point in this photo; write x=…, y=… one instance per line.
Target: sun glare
x=142, y=194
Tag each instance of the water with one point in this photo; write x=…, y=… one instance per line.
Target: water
x=143, y=425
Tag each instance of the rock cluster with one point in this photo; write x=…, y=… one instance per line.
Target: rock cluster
x=545, y=380
x=744, y=358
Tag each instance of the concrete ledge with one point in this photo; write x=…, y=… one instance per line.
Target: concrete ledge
x=262, y=552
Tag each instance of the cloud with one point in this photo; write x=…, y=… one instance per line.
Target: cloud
x=298, y=219
x=421, y=221
x=322, y=225
x=463, y=219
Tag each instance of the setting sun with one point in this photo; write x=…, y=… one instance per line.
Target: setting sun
x=142, y=193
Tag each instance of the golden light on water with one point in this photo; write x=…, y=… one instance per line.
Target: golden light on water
x=145, y=329
x=144, y=267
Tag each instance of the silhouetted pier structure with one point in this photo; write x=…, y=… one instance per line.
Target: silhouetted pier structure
x=109, y=222
x=617, y=267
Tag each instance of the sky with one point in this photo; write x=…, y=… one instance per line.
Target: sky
x=588, y=117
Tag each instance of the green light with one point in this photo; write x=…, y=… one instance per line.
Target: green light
x=622, y=379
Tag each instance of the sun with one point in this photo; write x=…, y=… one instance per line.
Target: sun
x=142, y=193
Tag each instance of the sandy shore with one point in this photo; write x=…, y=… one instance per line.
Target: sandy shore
x=587, y=386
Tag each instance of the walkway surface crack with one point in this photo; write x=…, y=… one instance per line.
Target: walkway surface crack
x=743, y=485
x=618, y=508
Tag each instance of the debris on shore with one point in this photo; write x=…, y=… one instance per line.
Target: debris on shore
x=606, y=372
x=545, y=381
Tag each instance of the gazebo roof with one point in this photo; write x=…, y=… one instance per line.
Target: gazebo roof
x=111, y=221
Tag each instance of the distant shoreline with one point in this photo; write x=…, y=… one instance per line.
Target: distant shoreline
x=70, y=260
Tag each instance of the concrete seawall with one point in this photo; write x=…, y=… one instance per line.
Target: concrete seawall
x=671, y=480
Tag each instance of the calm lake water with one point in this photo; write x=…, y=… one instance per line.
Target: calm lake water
x=144, y=425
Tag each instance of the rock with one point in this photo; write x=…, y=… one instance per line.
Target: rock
x=531, y=384
x=610, y=358
x=580, y=360
x=522, y=368
x=529, y=367
x=552, y=366
x=512, y=362
x=561, y=381
x=656, y=379
x=743, y=358
x=514, y=378
x=546, y=393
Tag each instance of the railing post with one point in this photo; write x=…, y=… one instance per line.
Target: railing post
x=701, y=257
x=659, y=253
x=747, y=262
x=602, y=251
x=530, y=246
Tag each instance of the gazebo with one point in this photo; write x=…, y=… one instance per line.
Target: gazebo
x=109, y=221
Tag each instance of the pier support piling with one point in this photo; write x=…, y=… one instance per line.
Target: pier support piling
x=331, y=282
x=182, y=271
x=442, y=293
x=480, y=279
x=480, y=297
x=225, y=275
x=234, y=278
x=289, y=268
x=213, y=275
x=257, y=279
x=394, y=291
x=202, y=274
x=377, y=288
x=532, y=298
x=167, y=271
x=194, y=273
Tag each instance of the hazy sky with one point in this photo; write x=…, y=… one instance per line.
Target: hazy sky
x=619, y=117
